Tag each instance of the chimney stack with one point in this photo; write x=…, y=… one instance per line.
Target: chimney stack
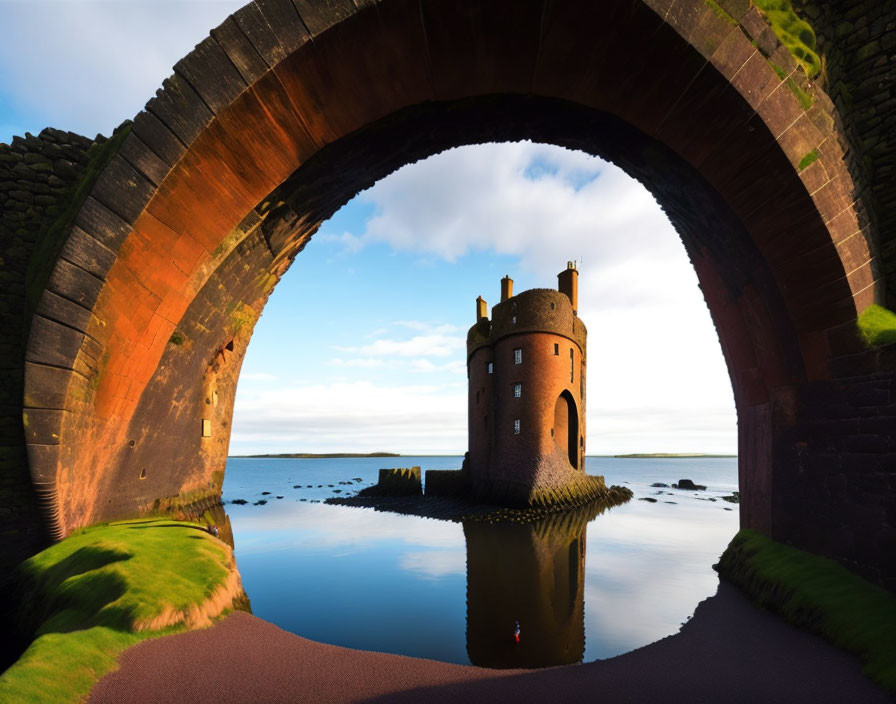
x=481, y=309
x=568, y=283
x=506, y=288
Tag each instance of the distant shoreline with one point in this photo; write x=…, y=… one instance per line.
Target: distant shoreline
x=344, y=455
x=665, y=455
x=313, y=455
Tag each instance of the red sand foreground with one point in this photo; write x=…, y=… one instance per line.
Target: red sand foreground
x=729, y=652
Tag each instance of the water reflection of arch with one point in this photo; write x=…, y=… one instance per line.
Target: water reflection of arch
x=533, y=573
x=566, y=427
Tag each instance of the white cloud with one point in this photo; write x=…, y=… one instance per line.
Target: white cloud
x=438, y=341
x=347, y=416
x=87, y=66
x=486, y=197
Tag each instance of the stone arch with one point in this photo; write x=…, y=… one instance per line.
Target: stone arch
x=566, y=427
x=290, y=107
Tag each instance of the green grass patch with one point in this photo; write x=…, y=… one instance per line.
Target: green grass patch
x=819, y=594
x=85, y=597
x=794, y=33
x=807, y=160
x=877, y=326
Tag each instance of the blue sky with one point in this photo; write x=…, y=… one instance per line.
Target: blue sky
x=386, y=289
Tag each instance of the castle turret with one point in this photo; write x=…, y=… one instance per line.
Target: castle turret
x=526, y=422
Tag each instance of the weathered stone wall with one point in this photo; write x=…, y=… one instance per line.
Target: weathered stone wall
x=839, y=438
x=857, y=39
x=39, y=177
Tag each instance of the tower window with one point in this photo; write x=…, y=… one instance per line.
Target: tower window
x=518, y=355
x=489, y=367
x=517, y=390
x=572, y=365
x=516, y=427
x=557, y=349
x=513, y=320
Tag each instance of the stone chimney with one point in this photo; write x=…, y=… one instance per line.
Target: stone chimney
x=568, y=283
x=506, y=288
x=481, y=309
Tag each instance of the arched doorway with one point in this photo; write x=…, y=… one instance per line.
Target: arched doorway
x=566, y=427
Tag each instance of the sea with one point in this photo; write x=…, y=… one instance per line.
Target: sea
x=574, y=587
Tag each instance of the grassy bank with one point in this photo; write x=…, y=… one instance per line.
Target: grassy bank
x=819, y=594
x=106, y=588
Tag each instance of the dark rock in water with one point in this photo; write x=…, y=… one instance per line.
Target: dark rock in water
x=308, y=486
x=239, y=502
x=734, y=498
x=671, y=502
x=727, y=509
x=265, y=493
x=660, y=485
x=330, y=485
x=296, y=486
x=688, y=484
x=279, y=497
x=357, y=479
x=303, y=499
x=260, y=502
x=337, y=491
x=648, y=498
x=320, y=486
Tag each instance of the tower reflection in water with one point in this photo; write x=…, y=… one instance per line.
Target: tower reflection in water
x=532, y=574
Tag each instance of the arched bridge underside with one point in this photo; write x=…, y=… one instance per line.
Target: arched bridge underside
x=291, y=107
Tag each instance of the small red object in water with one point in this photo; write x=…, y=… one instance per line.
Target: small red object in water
x=516, y=637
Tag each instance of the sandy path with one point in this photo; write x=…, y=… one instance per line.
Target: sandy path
x=728, y=652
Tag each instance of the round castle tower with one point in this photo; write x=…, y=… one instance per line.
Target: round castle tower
x=526, y=419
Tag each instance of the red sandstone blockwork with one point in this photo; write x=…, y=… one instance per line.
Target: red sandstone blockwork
x=290, y=108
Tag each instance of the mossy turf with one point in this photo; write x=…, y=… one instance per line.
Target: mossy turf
x=819, y=594
x=877, y=326
x=86, y=596
x=794, y=33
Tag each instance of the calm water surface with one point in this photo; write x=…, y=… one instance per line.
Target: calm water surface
x=581, y=587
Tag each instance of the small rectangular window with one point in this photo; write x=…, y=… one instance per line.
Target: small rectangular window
x=516, y=427
x=572, y=365
x=513, y=320
x=489, y=367
x=557, y=349
x=518, y=356
x=517, y=390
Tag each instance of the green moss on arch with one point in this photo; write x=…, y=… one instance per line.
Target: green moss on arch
x=877, y=326
x=808, y=160
x=794, y=33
